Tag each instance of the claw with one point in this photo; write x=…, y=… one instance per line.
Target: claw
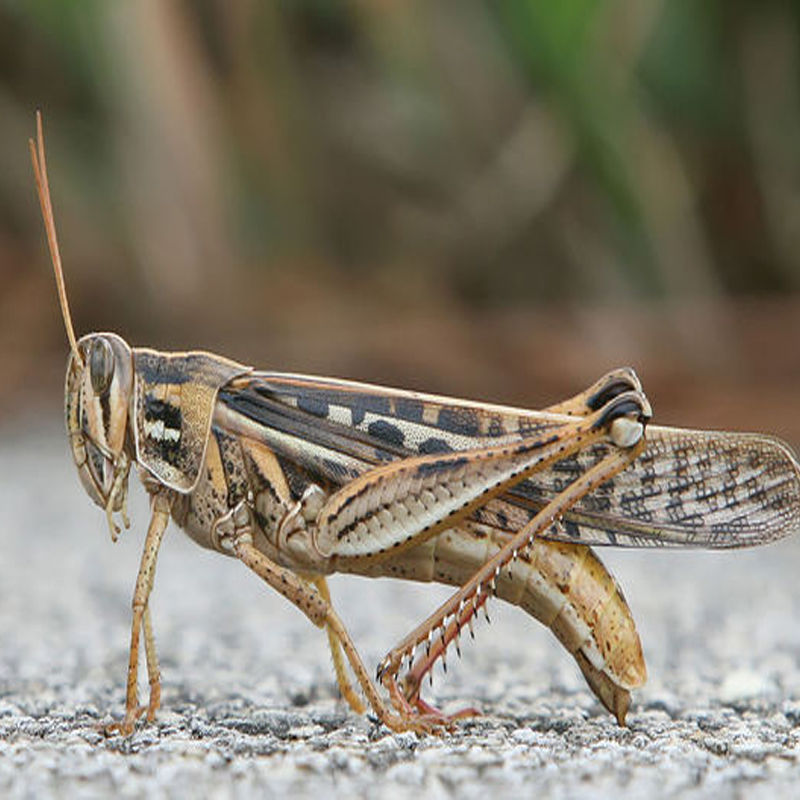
x=127, y=724
x=447, y=720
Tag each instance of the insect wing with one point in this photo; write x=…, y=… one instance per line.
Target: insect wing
x=688, y=489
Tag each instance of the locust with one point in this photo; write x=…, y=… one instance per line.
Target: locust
x=299, y=477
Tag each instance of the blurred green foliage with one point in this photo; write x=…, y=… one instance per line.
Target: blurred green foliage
x=492, y=153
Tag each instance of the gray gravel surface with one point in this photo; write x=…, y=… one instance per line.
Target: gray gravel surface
x=250, y=706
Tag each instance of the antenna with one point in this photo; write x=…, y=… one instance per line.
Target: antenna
x=42, y=184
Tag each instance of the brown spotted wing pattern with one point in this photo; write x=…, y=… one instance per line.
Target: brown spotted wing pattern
x=689, y=488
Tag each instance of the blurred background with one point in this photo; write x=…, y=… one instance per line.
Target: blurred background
x=498, y=200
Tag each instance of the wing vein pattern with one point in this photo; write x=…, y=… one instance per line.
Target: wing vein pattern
x=689, y=488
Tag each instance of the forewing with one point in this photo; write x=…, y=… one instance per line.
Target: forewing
x=689, y=488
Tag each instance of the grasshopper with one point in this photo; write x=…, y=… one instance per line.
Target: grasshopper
x=299, y=477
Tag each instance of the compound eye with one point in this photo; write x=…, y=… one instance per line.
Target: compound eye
x=101, y=365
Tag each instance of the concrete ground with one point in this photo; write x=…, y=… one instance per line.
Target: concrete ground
x=249, y=701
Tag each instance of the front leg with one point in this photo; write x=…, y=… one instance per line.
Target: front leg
x=153, y=671
x=141, y=618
